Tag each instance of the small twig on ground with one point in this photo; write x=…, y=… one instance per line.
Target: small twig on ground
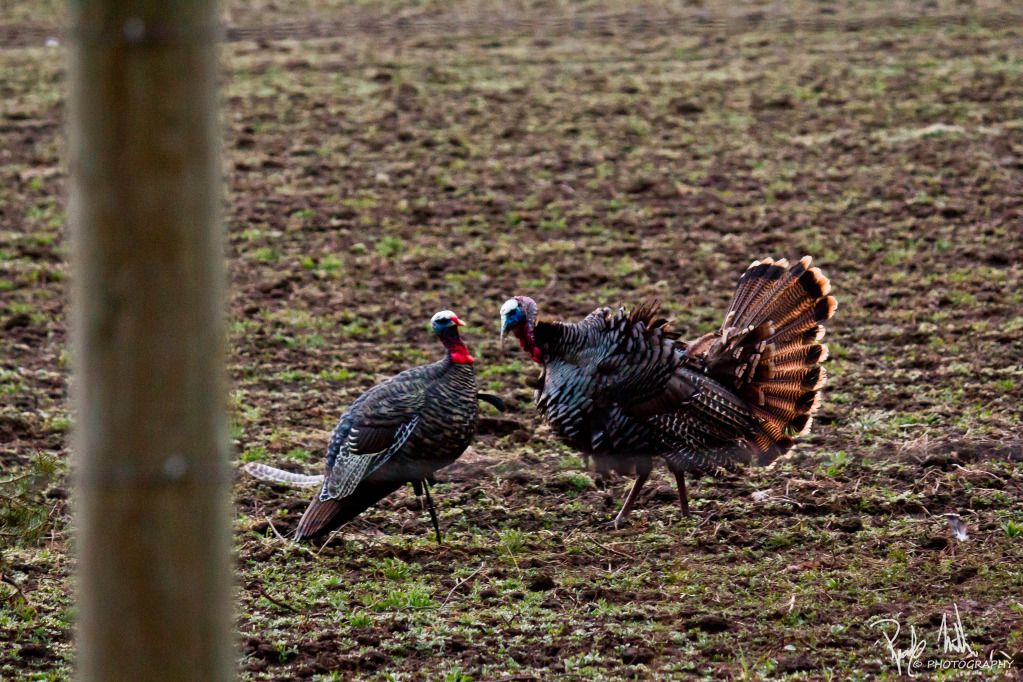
x=330, y=536
x=781, y=498
x=979, y=471
x=17, y=589
x=706, y=519
x=314, y=555
x=612, y=549
x=462, y=582
x=274, y=529
x=272, y=600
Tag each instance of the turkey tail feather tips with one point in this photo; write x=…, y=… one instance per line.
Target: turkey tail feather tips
x=323, y=516
x=317, y=518
x=769, y=350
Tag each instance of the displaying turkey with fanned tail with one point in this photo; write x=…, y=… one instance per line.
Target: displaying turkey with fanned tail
x=623, y=388
x=400, y=431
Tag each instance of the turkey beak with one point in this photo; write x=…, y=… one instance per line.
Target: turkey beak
x=504, y=330
x=458, y=322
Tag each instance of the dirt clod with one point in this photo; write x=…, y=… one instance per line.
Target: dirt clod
x=542, y=582
x=709, y=623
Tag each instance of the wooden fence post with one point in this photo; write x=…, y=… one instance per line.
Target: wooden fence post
x=150, y=443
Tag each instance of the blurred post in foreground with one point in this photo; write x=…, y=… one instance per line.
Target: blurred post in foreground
x=151, y=470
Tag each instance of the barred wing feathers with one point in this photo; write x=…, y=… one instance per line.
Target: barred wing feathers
x=602, y=369
x=376, y=427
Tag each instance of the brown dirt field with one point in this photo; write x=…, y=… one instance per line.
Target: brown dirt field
x=372, y=182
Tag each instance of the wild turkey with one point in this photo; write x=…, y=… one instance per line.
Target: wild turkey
x=400, y=431
x=621, y=387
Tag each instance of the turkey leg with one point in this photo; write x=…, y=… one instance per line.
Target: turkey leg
x=683, y=497
x=630, y=499
x=433, y=512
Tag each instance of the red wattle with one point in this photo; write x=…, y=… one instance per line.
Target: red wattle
x=526, y=342
x=461, y=356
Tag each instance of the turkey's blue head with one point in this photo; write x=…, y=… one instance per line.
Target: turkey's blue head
x=445, y=325
x=518, y=316
x=445, y=319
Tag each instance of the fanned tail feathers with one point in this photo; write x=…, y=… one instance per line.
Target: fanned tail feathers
x=769, y=350
x=275, y=475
